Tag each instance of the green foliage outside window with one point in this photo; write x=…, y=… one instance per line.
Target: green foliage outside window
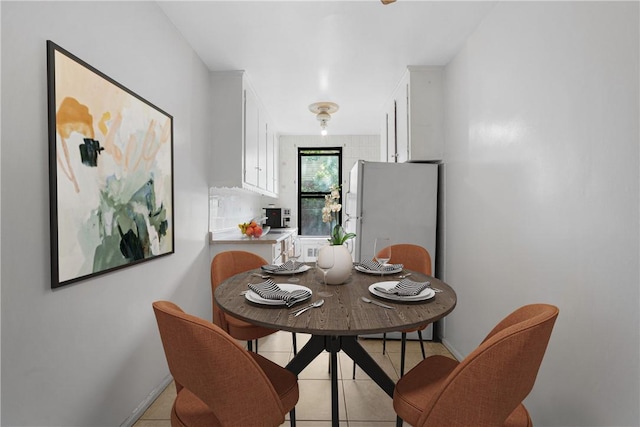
x=319, y=172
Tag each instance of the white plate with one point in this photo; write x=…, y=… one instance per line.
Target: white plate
x=301, y=269
x=376, y=272
x=289, y=287
x=423, y=295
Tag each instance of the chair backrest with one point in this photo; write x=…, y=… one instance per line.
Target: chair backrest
x=497, y=376
x=225, y=265
x=210, y=364
x=413, y=257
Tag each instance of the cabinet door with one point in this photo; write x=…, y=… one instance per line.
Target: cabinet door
x=391, y=134
x=426, y=105
x=269, y=161
x=278, y=253
x=271, y=154
x=402, y=123
x=415, y=127
x=262, y=150
x=251, y=138
x=275, y=170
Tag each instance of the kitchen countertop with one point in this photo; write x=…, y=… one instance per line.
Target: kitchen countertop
x=274, y=235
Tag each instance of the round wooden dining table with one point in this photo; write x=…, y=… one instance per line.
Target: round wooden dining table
x=336, y=324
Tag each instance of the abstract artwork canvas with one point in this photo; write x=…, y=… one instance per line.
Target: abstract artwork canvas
x=110, y=172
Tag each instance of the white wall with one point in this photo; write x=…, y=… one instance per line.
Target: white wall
x=542, y=195
x=87, y=354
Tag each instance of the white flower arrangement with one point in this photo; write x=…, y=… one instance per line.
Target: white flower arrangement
x=330, y=214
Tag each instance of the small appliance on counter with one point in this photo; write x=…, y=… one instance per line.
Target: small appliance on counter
x=277, y=217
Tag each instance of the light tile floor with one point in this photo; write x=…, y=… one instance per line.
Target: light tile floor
x=362, y=402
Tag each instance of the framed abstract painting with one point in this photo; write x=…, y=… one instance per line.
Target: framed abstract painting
x=110, y=173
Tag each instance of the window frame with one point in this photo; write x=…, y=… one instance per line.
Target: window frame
x=317, y=151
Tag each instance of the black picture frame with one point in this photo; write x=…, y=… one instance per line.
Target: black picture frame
x=111, y=194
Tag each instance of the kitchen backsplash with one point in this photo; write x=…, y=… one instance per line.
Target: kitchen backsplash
x=228, y=207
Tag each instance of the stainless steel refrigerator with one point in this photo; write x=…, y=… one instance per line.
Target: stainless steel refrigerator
x=395, y=200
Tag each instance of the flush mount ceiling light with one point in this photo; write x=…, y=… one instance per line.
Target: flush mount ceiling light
x=387, y=1
x=323, y=112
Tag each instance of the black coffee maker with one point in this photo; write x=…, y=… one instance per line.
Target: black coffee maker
x=277, y=217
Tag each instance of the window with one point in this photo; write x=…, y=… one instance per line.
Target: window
x=318, y=170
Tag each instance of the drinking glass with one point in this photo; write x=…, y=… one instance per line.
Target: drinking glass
x=382, y=251
x=325, y=262
x=295, y=252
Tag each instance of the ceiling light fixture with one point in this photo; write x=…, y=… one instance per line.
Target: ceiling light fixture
x=323, y=112
x=387, y=1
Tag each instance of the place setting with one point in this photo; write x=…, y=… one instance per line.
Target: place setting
x=277, y=294
x=405, y=290
x=382, y=251
x=286, y=268
x=374, y=267
x=291, y=266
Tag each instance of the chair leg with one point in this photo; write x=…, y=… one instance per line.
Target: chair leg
x=295, y=344
x=256, y=345
x=402, y=353
x=424, y=356
x=384, y=342
x=292, y=417
x=354, y=370
x=398, y=421
x=250, y=345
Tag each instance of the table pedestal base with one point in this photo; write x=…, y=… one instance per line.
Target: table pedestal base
x=352, y=348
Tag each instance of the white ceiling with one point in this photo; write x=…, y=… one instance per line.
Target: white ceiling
x=349, y=52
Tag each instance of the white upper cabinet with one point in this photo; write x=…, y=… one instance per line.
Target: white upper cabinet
x=413, y=123
x=272, y=160
x=252, y=131
x=388, y=133
x=244, y=141
x=263, y=166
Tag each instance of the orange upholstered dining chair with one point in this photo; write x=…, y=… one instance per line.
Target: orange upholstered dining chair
x=415, y=258
x=218, y=382
x=223, y=266
x=487, y=388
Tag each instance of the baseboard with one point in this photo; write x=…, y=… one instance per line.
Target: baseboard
x=452, y=350
x=144, y=405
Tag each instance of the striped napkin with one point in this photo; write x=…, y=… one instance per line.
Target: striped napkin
x=269, y=290
x=405, y=288
x=376, y=266
x=287, y=266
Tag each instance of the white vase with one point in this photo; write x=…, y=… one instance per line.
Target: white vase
x=342, y=265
